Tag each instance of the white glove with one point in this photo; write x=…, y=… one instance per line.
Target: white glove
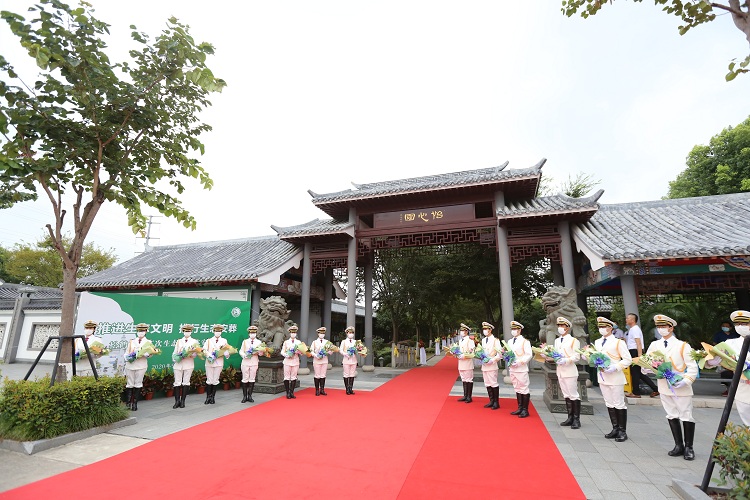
x=461, y=356
x=145, y=355
x=563, y=361
x=226, y=354
x=681, y=383
x=610, y=369
x=713, y=361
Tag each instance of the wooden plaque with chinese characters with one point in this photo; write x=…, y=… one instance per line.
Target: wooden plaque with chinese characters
x=424, y=217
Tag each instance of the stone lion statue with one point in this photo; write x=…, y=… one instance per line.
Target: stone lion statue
x=272, y=322
x=561, y=301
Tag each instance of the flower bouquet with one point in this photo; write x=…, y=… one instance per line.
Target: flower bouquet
x=701, y=356
x=303, y=349
x=481, y=355
x=508, y=355
x=330, y=347
x=184, y=353
x=454, y=350
x=361, y=348
x=723, y=351
x=656, y=362
x=147, y=348
x=262, y=349
x=650, y=361
x=131, y=356
x=596, y=358
x=546, y=352
x=587, y=350
x=98, y=349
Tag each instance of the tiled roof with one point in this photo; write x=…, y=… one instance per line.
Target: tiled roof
x=209, y=262
x=40, y=297
x=549, y=205
x=708, y=226
x=430, y=182
x=315, y=227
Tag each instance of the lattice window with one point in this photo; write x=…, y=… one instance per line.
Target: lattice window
x=40, y=332
x=519, y=253
x=604, y=303
x=657, y=285
x=484, y=236
x=322, y=264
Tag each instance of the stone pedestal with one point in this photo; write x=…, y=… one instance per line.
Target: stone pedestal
x=553, y=396
x=368, y=368
x=270, y=376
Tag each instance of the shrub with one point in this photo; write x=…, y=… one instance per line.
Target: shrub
x=31, y=410
x=732, y=453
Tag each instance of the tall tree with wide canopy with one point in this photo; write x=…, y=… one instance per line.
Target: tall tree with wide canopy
x=90, y=131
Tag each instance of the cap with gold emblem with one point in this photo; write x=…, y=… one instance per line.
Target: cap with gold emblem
x=564, y=322
x=464, y=327
x=349, y=329
x=218, y=328
x=293, y=328
x=662, y=320
x=516, y=325
x=322, y=329
x=603, y=322
x=740, y=317
x=252, y=329
x=90, y=324
x=141, y=327
x=187, y=327
x=487, y=325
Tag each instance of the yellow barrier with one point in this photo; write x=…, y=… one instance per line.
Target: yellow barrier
x=628, y=380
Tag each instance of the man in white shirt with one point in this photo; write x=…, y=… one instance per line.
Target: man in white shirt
x=634, y=339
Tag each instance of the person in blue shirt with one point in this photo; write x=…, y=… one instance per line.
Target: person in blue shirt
x=726, y=332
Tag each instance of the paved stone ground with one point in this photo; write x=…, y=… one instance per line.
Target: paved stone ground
x=637, y=468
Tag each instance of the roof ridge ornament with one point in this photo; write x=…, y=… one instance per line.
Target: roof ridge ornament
x=356, y=186
x=540, y=164
x=500, y=168
x=312, y=194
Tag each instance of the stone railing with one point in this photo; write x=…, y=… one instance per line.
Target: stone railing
x=402, y=355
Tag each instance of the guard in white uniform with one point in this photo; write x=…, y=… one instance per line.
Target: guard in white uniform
x=213, y=368
x=183, y=368
x=83, y=365
x=349, y=363
x=677, y=400
x=741, y=320
x=249, y=366
x=567, y=371
x=494, y=349
x=612, y=378
x=320, y=364
x=135, y=371
x=519, y=369
x=291, y=362
x=466, y=365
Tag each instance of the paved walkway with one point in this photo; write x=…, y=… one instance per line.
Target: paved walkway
x=637, y=468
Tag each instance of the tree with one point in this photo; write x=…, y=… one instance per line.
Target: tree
x=692, y=13
x=575, y=187
x=4, y=256
x=40, y=264
x=721, y=167
x=95, y=132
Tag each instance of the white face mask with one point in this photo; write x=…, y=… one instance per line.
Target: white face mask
x=560, y=330
x=742, y=330
x=603, y=332
x=487, y=332
x=88, y=331
x=293, y=335
x=321, y=336
x=663, y=331
x=217, y=334
x=141, y=334
x=252, y=335
x=350, y=335
x=186, y=334
x=515, y=332
x=464, y=333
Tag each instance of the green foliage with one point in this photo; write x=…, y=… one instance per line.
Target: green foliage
x=40, y=264
x=692, y=13
x=732, y=453
x=721, y=167
x=197, y=379
x=4, y=256
x=31, y=410
x=529, y=314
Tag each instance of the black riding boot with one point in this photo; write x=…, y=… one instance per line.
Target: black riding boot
x=524, y=405
x=679, y=447
x=183, y=395
x=244, y=392
x=317, y=387
x=213, y=393
x=491, y=394
x=323, y=387
x=519, y=399
x=250, y=387
x=177, y=391
x=495, y=398
x=463, y=398
x=346, y=385
x=292, y=385
x=689, y=428
x=208, y=395
x=568, y=421
x=351, y=385
x=469, y=390
x=576, y=424
x=128, y=395
x=612, y=418
x=134, y=398
x=622, y=424
x=286, y=386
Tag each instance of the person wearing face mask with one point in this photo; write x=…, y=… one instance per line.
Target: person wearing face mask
x=466, y=365
x=741, y=320
x=184, y=367
x=350, y=362
x=135, y=371
x=494, y=349
x=677, y=400
x=213, y=368
x=634, y=340
x=567, y=372
x=83, y=365
x=320, y=364
x=249, y=366
x=612, y=378
x=519, y=369
x=291, y=362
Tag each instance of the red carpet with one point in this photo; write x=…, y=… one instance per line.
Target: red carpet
x=404, y=440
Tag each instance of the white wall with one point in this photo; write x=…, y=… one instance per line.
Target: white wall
x=5, y=320
x=32, y=317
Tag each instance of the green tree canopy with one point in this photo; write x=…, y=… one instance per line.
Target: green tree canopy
x=691, y=12
x=721, y=167
x=96, y=131
x=40, y=265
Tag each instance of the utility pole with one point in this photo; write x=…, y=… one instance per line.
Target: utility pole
x=147, y=236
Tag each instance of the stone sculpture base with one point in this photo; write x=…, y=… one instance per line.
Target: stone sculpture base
x=270, y=376
x=553, y=396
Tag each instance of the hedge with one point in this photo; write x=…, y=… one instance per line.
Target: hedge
x=32, y=410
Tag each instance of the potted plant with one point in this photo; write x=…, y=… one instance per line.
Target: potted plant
x=237, y=378
x=198, y=381
x=150, y=385
x=226, y=378
x=167, y=379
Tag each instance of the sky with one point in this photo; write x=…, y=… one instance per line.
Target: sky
x=321, y=94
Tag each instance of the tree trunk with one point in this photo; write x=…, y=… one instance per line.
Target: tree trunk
x=394, y=331
x=67, y=322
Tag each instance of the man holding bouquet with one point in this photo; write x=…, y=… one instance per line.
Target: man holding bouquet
x=214, y=362
x=320, y=363
x=249, y=366
x=349, y=364
x=494, y=352
x=612, y=378
x=741, y=320
x=84, y=368
x=519, y=369
x=290, y=352
x=466, y=363
x=135, y=369
x=567, y=372
x=184, y=364
x=676, y=398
